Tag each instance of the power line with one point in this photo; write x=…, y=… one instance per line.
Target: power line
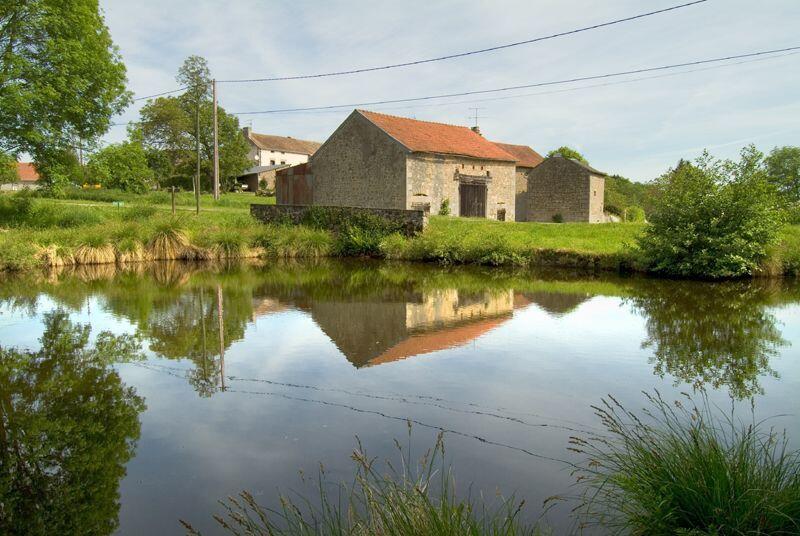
x=161, y=94
x=523, y=86
x=462, y=54
x=551, y=92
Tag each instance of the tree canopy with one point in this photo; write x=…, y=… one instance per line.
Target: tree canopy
x=167, y=130
x=61, y=74
x=783, y=168
x=568, y=152
x=713, y=218
x=123, y=166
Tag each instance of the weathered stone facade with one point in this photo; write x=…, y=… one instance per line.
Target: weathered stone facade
x=564, y=187
x=360, y=166
x=438, y=177
x=522, y=197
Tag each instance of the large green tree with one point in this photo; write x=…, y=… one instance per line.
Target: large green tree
x=712, y=218
x=8, y=168
x=167, y=128
x=61, y=79
x=122, y=165
x=68, y=426
x=783, y=168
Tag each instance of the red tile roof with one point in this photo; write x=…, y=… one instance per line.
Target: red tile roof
x=26, y=171
x=440, y=138
x=525, y=156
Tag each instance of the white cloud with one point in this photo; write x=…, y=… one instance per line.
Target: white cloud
x=637, y=129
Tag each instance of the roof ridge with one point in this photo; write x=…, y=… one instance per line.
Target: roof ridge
x=279, y=136
x=417, y=120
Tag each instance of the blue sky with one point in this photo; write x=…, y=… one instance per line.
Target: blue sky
x=637, y=129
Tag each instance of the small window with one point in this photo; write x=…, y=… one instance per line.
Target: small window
x=481, y=168
x=501, y=214
x=595, y=193
x=283, y=162
x=487, y=172
x=282, y=152
x=462, y=166
x=272, y=162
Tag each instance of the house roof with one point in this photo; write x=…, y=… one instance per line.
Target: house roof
x=584, y=165
x=26, y=171
x=439, y=138
x=285, y=144
x=525, y=156
x=260, y=169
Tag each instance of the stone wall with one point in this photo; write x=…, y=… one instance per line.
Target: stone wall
x=408, y=222
x=434, y=178
x=360, y=166
x=522, y=197
x=559, y=186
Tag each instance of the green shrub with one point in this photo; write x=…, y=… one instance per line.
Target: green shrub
x=558, y=218
x=634, y=214
x=686, y=468
x=444, y=209
x=712, y=218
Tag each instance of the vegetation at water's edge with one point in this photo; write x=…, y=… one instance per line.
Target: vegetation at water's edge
x=409, y=497
x=46, y=232
x=678, y=468
x=685, y=468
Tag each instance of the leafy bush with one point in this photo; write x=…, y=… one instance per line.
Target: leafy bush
x=712, y=218
x=558, y=218
x=634, y=214
x=686, y=468
x=444, y=209
x=122, y=166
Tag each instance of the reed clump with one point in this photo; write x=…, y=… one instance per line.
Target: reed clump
x=170, y=242
x=95, y=250
x=686, y=468
x=419, y=498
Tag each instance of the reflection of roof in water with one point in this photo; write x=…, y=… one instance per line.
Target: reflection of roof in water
x=555, y=303
x=441, y=339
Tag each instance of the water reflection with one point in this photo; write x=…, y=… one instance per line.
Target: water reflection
x=716, y=335
x=68, y=426
x=712, y=335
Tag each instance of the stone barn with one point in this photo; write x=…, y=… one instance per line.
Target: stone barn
x=564, y=189
x=527, y=159
x=375, y=160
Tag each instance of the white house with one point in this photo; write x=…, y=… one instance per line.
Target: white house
x=269, y=150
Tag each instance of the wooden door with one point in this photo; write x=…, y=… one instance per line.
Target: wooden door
x=472, y=200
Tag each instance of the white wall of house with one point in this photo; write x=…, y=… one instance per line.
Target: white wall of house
x=271, y=158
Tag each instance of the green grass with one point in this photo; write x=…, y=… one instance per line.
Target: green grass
x=225, y=229
x=409, y=497
x=687, y=468
x=163, y=198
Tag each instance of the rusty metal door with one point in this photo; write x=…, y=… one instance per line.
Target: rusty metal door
x=472, y=200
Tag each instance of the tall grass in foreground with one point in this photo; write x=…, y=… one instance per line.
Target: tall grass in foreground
x=686, y=468
x=414, y=499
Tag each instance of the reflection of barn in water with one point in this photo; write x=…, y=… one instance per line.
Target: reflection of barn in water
x=400, y=324
x=553, y=303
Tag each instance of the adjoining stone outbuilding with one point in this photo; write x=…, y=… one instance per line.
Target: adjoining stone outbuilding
x=527, y=160
x=564, y=189
x=381, y=161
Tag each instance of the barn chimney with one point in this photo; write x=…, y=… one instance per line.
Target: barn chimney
x=247, y=131
x=477, y=130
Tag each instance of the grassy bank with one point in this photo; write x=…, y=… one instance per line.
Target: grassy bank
x=92, y=230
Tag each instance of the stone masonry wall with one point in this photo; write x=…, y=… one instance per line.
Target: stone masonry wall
x=360, y=166
x=560, y=186
x=408, y=222
x=522, y=195
x=435, y=177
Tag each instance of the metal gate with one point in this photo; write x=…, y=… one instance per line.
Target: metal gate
x=472, y=200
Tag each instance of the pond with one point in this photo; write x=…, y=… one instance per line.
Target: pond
x=248, y=375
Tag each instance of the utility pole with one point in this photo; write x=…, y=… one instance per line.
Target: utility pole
x=216, y=141
x=197, y=147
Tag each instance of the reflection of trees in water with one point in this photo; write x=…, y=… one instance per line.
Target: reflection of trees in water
x=68, y=426
x=710, y=334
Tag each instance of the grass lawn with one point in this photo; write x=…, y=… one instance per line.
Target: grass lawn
x=37, y=231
